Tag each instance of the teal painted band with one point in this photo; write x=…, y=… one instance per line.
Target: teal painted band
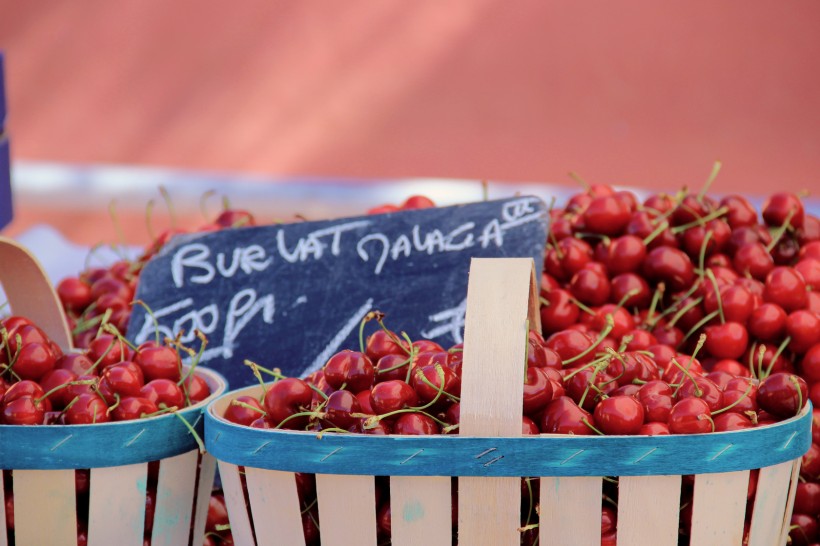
x=544, y=455
x=54, y=447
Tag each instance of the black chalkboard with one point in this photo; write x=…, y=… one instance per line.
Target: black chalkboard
x=291, y=295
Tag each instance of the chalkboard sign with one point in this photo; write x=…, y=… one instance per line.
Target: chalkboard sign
x=291, y=295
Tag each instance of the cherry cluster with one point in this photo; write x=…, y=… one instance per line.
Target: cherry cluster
x=107, y=293
x=108, y=381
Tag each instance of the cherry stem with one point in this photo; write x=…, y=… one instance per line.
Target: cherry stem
x=700, y=324
x=591, y=427
x=404, y=363
x=659, y=290
x=698, y=391
x=153, y=318
x=746, y=393
x=248, y=407
x=590, y=385
x=625, y=297
x=112, y=212
x=581, y=306
x=256, y=369
x=169, y=204
x=662, y=226
x=61, y=386
x=715, y=170
x=570, y=375
x=701, y=221
x=780, y=349
x=192, y=431
x=575, y=176
x=702, y=253
x=683, y=310
x=713, y=280
x=781, y=230
x=610, y=324
x=796, y=384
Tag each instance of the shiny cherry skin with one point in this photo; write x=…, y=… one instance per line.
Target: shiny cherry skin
x=782, y=394
x=286, y=398
x=690, y=416
x=622, y=415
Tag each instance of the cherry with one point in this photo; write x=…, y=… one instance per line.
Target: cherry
x=415, y=424
x=285, y=399
x=418, y=202
x=754, y=259
x=619, y=415
x=807, y=498
x=781, y=206
x=537, y=390
x=810, y=365
x=528, y=426
x=121, y=379
x=340, y=407
x=785, y=287
x=567, y=258
x=767, y=322
x=809, y=269
x=79, y=363
x=164, y=393
x=349, y=369
x=243, y=410
x=725, y=422
x=569, y=344
x=133, y=407
x=50, y=382
x=393, y=395
x=391, y=366
x=728, y=340
x=25, y=410
x=158, y=362
x=690, y=416
x=196, y=388
x=381, y=343
x=737, y=302
x=782, y=394
x=692, y=208
x=739, y=211
x=669, y=265
x=626, y=253
x=642, y=224
x=436, y=382
x=653, y=428
x=34, y=360
x=74, y=293
x=803, y=327
x=107, y=349
x=803, y=530
x=590, y=287
x=86, y=409
x=631, y=289
x=563, y=416
x=703, y=388
x=232, y=218
x=558, y=311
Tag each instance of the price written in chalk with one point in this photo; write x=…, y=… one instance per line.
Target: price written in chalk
x=291, y=295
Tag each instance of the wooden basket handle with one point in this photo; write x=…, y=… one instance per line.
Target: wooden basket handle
x=502, y=305
x=30, y=293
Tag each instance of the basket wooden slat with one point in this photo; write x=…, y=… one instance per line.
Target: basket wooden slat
x=719, y=508
x=235, y=502
x=172, y=512
x=43, y=492
x=570, y=510
x=276, y=508
x=648, y=506
x=421, y=508
x=118, y=495
x=773, y=486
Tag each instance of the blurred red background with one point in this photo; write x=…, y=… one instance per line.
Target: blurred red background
x=638, y=92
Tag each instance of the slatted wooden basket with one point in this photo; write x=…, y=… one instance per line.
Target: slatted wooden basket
x=43, y=459
x=489, y=456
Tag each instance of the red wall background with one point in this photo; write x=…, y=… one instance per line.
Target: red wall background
x=635, y=92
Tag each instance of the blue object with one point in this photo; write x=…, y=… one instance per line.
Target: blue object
x=53, y=447
x=5, y=182
x=544, y=455
x=5, y=163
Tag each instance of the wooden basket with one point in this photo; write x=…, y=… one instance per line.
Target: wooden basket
x=43, y=459
x=489, y=456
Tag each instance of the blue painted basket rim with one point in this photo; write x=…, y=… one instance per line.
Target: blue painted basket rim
x=55, y=447
x=544, y=455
